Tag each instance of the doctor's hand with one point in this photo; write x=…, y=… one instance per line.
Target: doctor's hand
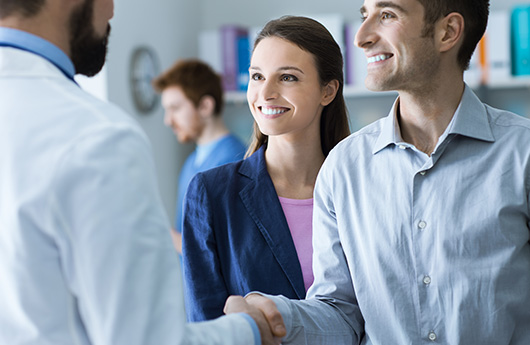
x=264, y=313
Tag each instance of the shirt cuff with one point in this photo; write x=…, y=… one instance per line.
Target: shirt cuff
x=254, y=326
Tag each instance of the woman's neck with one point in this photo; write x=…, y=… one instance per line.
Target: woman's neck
x=294, y=166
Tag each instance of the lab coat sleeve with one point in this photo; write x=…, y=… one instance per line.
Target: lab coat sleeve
x=115, y=247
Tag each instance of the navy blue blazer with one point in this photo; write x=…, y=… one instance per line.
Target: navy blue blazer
x=236, y=238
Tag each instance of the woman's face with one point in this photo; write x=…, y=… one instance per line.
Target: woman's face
x=284, y=93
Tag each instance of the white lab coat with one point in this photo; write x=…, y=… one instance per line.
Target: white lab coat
x=85, y=250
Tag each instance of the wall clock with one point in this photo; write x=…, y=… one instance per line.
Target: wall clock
x=143, y=69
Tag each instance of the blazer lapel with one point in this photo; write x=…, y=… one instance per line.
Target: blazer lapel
x=263, y=205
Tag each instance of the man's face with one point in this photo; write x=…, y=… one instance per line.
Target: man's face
x=181, y=115
x=399, y=56
x=89, y=32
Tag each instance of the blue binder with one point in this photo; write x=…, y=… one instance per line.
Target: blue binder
x=521, y=40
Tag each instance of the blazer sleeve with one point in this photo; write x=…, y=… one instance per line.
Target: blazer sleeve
x=206, y=291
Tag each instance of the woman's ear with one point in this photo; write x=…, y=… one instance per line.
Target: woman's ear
x=206, y=106
x=450, y=31
x=329, y=92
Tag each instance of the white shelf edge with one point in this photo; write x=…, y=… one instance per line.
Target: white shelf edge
x=235, y=97
x=510, y=83
x=350, y=91
x=238, y=97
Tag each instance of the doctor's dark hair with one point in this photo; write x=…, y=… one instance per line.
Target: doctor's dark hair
x=315, y=39
x=26, y=8
x=475, y=13
x=196, y=80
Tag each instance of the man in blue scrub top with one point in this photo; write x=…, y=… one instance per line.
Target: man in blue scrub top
x=192, y=97
x=421, y=220
x=85, y=256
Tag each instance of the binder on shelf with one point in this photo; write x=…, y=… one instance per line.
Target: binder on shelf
x=497, y=48
x=521, y=40
x=335, y=25
x=243, y=62
x=355, y=60
x=334, y=22
x=230, y=36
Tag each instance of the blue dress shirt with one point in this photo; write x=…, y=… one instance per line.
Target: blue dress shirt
x=225, y=150
x=418, y=249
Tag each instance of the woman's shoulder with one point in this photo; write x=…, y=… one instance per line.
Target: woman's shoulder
x=231, y=173
x=223, y=171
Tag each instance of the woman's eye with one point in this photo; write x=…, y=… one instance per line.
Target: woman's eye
x=256, y=77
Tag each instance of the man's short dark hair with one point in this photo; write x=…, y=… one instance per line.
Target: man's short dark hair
x=475, y=13
x=26, y=8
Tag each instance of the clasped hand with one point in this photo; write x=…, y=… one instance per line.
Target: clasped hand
x=263, y=311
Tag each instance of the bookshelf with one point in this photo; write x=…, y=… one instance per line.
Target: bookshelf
x=366, y=106
x=510, y=93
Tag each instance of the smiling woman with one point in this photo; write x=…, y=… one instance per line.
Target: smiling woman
x=253, y=230
x=285, y=87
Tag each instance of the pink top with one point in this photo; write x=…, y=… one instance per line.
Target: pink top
x=299, y=214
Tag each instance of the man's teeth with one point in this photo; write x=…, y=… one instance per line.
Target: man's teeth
x=272, y=111
x=378, y=58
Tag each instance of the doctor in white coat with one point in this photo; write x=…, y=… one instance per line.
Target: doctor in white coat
x=85, y=255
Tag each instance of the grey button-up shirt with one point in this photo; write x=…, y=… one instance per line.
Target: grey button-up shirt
x=415, y=249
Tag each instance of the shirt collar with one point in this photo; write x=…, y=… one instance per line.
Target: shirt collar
x=470, y=119
x=34, y=44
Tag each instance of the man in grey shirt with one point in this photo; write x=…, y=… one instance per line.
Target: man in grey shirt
x=421, y=219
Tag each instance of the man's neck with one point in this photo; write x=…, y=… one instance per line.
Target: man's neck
x=39, y=25
x=424, y=116
x=215, y=129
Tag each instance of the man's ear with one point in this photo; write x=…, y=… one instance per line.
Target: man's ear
x=450, y=31
x=206, y=106
x=330, y=91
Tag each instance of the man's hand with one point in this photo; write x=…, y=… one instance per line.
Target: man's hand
x=177, y=240
x=263, y=311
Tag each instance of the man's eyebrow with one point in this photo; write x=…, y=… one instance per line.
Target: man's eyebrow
x=383, y=4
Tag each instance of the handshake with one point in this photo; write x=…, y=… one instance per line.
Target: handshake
x=263, y=311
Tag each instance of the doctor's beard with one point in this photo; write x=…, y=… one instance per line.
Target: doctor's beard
x=88, y=50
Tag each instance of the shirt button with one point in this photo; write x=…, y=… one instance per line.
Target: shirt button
x=422, y=224
x=432, y=336
x=426, y=280
x=402, y=147
x=422, y=173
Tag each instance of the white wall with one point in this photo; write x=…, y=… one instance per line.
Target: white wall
x=170, y=27
x=257, y=12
